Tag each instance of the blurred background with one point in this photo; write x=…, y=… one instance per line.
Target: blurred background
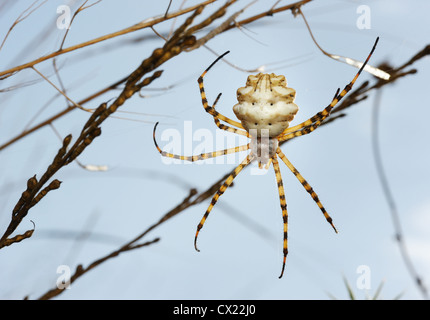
x=94, y=213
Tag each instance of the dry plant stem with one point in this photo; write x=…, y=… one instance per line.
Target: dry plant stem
x=80, y=270
x=361, y=92
x=421, y=54
x=21, y=18
x=29, y=198
x=146, y=24
x=162, y=55
x=61, y=91
x=139, y=26
x=62, y=113
x=34, y=192
x=54, y=60
x=70, y=24
x=69, y=109
x=221, y=28
x=353, y=98
x=390, y=198
x=193, y=198
x=372, y=70
x=172, y=27
x=19, y=237
x=168, y=7
x=270, y=12
x=81, y=8
x=180, y=40
x=234, y=66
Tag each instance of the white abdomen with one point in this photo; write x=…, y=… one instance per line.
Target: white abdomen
x=266, y=103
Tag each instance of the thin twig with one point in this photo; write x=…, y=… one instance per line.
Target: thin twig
x=80, y=270
x=168, y=7
x=61, y=91
x=62, y=113
x=193, y=198
x=221, y=28
x=139, y=26
x=390, y=198
x=269, y=12
x=115, y=85
x=21, y=17
x=182, y=39
x=352, y=62
x=81, y=8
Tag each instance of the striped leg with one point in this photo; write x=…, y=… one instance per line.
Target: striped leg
x=316, y=120
x=208, y=108
x=302, y=132
x=220, y=191
x=284, y=210
x=202, y=156
x=223, y=126
x=306, y=186
x=260, y=165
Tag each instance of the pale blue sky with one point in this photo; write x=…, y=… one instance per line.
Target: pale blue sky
x=235, y=262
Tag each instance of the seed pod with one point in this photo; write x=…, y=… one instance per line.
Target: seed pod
x=31, y=183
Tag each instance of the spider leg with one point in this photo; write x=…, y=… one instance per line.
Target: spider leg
x=309, y=125
x=302, y=132
x=202, y=156
x=268, y=164
x=206, y=106
x=220, y=191
x=223, y=126
x=284, y=210
x=320, y=116
x=306, y=185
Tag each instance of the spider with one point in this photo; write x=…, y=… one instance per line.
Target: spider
x=265, y=109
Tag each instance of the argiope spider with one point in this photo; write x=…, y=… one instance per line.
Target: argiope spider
x=266, y=107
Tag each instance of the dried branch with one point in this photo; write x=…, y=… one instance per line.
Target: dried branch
x=19, y=237
x=61, y=91
x=360, y=93
x=62, y=113
x=269, y=12
x=91, y=130
x=27, y=12
x=81, y=8
x=139, y=26
x=80, y=270
x=182, y=39
x=232, y=25
x=352, y=62
x=220, y=29
x=193, y=198
x=390, y=198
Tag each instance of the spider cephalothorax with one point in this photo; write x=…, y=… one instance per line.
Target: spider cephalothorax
x=266, y=107
x=266, y=103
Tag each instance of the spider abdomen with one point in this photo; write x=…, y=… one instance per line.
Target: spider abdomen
x=266, y=103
